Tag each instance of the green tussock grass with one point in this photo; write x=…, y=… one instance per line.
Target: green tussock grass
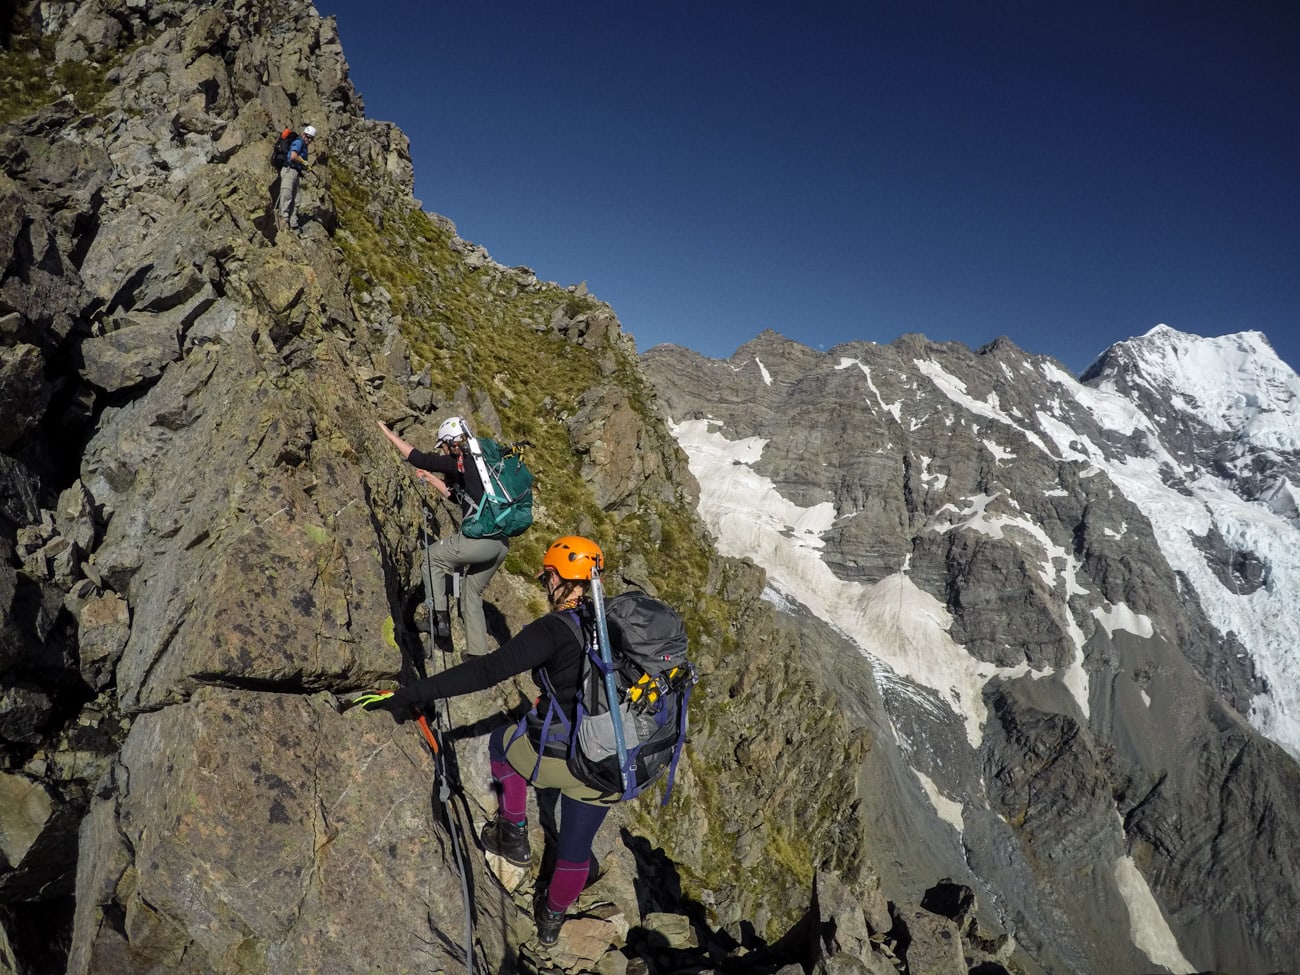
x=471, y=327
x=30, y=78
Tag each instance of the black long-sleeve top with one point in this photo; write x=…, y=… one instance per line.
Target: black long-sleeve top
x=548, y=642
x=458, y=470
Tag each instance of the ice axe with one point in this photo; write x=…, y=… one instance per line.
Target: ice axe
x=373, y=697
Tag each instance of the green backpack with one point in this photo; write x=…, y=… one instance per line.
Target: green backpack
x=506, y=509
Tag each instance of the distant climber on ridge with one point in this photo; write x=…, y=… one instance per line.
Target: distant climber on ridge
x=291, y=169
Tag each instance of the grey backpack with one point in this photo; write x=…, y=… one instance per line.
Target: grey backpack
x=653, y=679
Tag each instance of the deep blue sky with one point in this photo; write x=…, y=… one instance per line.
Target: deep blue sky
x=1065, y=174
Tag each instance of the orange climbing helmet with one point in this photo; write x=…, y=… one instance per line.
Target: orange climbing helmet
x=572, y=557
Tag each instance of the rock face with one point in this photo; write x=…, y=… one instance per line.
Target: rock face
x=206, y=544
x=1079, y=618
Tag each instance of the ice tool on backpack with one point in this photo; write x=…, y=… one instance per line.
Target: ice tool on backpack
x=506, y=508
x=611, y=686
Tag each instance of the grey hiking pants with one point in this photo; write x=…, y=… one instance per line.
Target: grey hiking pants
x=288, y=205
x=480, y=558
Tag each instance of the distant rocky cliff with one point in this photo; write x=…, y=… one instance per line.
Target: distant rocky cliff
x=206, y=545
x=1070, y=601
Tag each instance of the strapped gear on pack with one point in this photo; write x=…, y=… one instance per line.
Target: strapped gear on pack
x=506, y=508
x=280, y=151
x=653, y=681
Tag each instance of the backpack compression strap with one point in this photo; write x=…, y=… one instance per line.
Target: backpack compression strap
x=682, y=701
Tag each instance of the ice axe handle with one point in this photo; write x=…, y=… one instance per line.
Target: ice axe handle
x=611, y=688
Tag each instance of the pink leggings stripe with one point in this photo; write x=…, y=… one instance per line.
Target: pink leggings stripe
x=514, y=792
x=566, y=883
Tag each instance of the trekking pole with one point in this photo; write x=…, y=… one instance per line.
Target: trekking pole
x=611, y=688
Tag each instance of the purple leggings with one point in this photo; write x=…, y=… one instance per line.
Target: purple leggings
x=579, y=822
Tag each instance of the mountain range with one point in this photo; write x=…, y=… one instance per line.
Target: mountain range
x=1088, y=583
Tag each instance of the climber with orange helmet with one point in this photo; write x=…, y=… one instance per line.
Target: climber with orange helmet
x=550, y=644
x=452, y=468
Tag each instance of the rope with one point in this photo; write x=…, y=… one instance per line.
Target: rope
x=438, y=745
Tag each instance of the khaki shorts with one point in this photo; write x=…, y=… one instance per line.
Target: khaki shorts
x=553, y=774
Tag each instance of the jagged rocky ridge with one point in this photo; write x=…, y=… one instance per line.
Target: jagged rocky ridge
x=203, y=543
x=1065, y=604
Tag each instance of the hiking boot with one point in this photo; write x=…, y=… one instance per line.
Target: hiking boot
x=508, y=840
x=548, y=921
x=442, y=624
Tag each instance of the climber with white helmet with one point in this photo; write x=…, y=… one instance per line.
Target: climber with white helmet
x=453, y=473
x=291, y=170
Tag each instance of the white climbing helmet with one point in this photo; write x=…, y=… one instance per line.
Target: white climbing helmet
x=310, y=131
x=452, y=429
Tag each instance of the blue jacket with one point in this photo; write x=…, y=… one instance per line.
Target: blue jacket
x=300, y=147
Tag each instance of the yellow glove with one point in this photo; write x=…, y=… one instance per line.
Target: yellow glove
x=370, y=700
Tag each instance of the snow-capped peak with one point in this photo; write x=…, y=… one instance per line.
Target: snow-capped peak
x=1235, y=383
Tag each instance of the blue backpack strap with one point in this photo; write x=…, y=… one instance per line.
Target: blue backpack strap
x=552, y=711
x=681, y=741
x=521, y=729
